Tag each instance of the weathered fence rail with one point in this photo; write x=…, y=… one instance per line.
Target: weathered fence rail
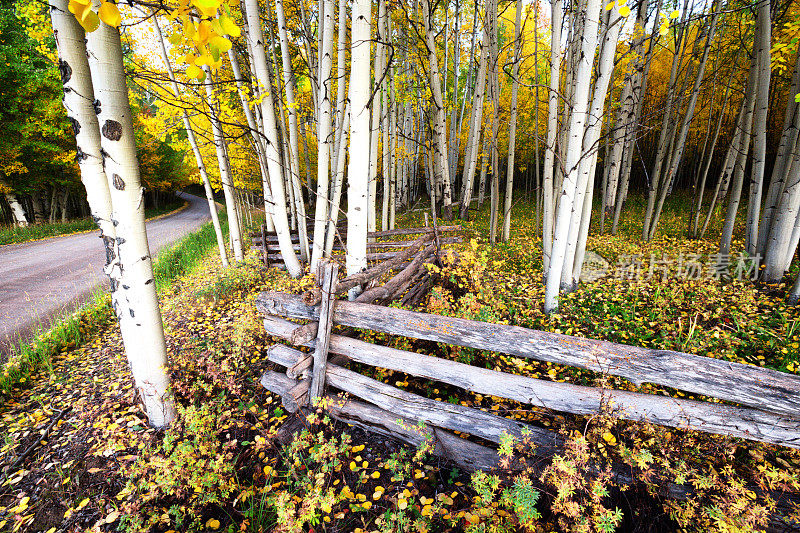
x=768, y=400
x=376, y=251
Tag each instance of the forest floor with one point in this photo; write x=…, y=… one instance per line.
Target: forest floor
x=226, y=464
x=15, y=234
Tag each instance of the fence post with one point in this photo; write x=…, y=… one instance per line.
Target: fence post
x=328, y=277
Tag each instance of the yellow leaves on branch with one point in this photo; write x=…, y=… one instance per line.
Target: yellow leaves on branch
x=624, y=10
x=89, y=20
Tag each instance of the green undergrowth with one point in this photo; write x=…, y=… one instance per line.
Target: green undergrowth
x=18, y=234
x=74, y=329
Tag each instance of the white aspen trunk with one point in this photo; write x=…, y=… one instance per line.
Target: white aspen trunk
x=455, y=128
x=680, y=142
x=16, y=209
x=269, y=204
x=324, y=141
x=548, y=204
x=341, y=83
x=336, y=190
x=762, y=53
x=484, y=166
x=471, y=156
x=137, y=302
x=201, y=166
x=279, y=216
x=294, y=157
x=741, y=158
x=778, y=245
x=439, y=145
x=225, y=178
x=385, y=157
x=512, y=133
x=494, y=87
x=783, y=159
x=376, y=118
x=728, y=164
x=581, y=215
x=77, y=100
x=573, y=154
x=392, y=151
x=358, y=169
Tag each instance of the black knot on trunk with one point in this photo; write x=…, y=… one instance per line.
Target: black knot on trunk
x=76, y=126
x=65, y=70
x=112, y=130
x=79, y=155
x=96, y=105
x=119, y=184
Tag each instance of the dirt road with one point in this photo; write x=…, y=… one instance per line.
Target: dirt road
x=42, y=280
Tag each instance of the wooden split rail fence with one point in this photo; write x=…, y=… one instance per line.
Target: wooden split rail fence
x=768, y=401
x=376, y=251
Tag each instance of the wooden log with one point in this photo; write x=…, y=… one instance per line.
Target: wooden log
x=442, y=414
x=389, y=290
x=281, y=385
x=466, y=454
x=328, y=280
x=304, y=334
x=662, y=410
x=373, y=272
x=471, y=456
x=761, y=388
x=299, y=392
x=411, y=231
x=283, y=329
x=301, y=367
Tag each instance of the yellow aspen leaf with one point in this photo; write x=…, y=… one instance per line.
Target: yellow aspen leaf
x=402, y=503
x=609, y=438
x=80, y=10
x=91, y=22
x=610, y=5
x=212, y=523
x=229, y=27
x=203, y=32
x=83, y=504
x=188, y=29
x=624, y=11
x=175, y=38
x=221, y=43
x=109, y=14
x=193, y=71
x=675, y=14
x=663, y=30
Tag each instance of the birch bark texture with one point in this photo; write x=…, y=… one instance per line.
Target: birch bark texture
x=280, y=217
x=137, y=304
x=358, y=169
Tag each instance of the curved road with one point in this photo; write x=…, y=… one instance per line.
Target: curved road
x=42, y=280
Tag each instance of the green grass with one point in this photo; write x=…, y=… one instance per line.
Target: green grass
x=76, y=328
x=17, y=234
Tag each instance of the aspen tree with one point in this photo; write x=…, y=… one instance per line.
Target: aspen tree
x=280, y=217
x=358, y=169
x=513, y=128
x=576, y=131
x=548, y=203
x=137, y=303
x=324, y=141
x=225, y=177
x=201, y=166
x=762, y=57
x=439, y=144
x=291, y=106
